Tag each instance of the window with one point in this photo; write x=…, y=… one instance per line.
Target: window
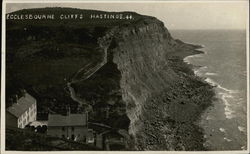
x=63, y=128
x=72, y=128
x=63, y=136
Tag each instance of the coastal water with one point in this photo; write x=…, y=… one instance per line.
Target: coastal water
x=224, y=66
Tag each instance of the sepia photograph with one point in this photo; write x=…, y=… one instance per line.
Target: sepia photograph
x=165, y=76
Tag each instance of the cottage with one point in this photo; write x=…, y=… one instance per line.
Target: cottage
x=71, y=126
x=22, y=112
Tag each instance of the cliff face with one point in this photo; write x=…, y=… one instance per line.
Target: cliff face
x=154, y=85
x=132, y=69
x=141, y=58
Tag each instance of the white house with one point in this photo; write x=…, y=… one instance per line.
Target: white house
x=71, y=126
x=22, y=112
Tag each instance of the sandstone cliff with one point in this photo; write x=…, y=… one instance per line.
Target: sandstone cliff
x=144, y=53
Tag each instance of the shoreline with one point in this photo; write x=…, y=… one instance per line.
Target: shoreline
x=196, y=69
x=178, y=109
x=196, y=53
x=221, y=108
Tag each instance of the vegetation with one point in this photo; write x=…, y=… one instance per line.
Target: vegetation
x=26, y=140
x=42, y=57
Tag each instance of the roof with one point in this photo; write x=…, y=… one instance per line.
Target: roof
x=22, y=105
x=69, y=120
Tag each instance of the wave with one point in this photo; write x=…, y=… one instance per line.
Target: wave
x=224, y=93
x=187, y=59
x=222, y=130
x=229, y=101
x=199, y=71
x=211, y=82
x=228, y=140
x=229, y=113
x=196, y=72
x=242, y=129
x=211, y=74
x=228, y=90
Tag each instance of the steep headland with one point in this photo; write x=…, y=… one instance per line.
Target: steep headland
x=130, y=72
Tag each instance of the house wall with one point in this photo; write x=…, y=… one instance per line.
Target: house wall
x=28, y=116
x=79, y=132
x=32, y=112
x=11, y=120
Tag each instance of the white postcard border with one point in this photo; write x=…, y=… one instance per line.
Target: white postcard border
x=111, y=152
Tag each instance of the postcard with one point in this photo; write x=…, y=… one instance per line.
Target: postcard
x=156, y=76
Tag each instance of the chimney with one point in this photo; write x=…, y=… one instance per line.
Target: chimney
x=15, y=98
x=23, y=92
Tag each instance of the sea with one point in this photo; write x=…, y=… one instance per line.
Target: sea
x=223, y=65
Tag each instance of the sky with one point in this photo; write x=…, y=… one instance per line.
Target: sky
x=175, y=15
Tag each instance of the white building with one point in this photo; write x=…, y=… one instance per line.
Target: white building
x=22, y=112
x=71, y=126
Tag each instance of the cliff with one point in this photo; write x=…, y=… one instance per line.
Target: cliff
x=159, y=90
x=131, y=73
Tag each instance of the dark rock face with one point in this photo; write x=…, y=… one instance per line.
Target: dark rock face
x=139, y=83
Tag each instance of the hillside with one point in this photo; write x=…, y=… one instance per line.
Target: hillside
x=132, y=68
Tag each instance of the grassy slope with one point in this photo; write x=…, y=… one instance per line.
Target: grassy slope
x=43, y=55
